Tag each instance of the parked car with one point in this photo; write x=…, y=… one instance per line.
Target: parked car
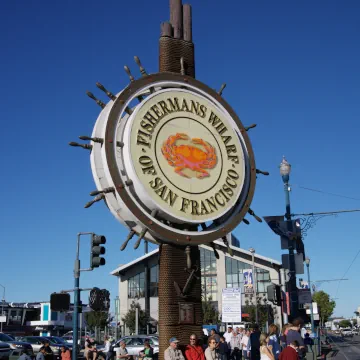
x=135, y=343
x=61, y=341
x=347, y=332
x=16, y=345
x=4, y=351
x=38, y=341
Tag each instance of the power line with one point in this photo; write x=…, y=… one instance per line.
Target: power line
x=357, y=254
x=329, y=193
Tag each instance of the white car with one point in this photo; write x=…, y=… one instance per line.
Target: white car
x=347, y=332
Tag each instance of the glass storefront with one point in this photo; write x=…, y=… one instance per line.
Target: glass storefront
x=208, y=274
x=234, y=275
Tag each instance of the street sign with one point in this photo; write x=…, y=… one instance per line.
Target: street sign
x=231, y=305
x=2, y=319
x=299, y=264
x=304, y=296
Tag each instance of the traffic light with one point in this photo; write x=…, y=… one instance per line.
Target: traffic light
x=99, y=300
x=60, y=302
x=274, y=294
x=96, y=250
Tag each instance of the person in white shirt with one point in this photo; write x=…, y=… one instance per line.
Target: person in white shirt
x=228, y=335
x=244, y=343
x=235, y=345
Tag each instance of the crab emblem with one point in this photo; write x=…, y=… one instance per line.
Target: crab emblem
x=188, y=156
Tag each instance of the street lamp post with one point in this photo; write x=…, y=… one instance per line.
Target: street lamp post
x=285, y=169
x=252, y=250
x=307, y=262
x=2, y=306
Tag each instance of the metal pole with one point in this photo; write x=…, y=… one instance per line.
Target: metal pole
x=311, y=304
x=294, y=306
x=136, y=321
x=283, y=288
x=80, y=326
x=76, y=301
x=254, y=279
x=2, y=306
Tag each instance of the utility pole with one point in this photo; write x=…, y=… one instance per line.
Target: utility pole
x=285, y=169
x=2, y=305
x=252, y=250
x=307, y=262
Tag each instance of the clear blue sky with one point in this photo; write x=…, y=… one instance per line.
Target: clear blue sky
x=291, y=67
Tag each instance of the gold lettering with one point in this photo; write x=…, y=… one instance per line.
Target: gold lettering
x=171, y=197
x=213, y=119
x=231, y=182
x=184, y=106
x=150, y=118
x=230, y=148
x=157, y=111
x=233, y=174
x=148, y=165
x=228, y=190
x=174, y=106
x=161, y=191
x=203, y=110
x=226, y=139
x=184, y=204
x=224, y=195
x=155, y=183
x=218, y=201
x=194, y=207
x=233, y=158
x=194, y=107
x=212, y=204
x=146, y=126
x=164, y=107
x=203, y=208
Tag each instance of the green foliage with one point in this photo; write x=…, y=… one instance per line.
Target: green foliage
x=325, y=305
x=210, y=315
x=262, y=311
x=345, y=323
x=97, y=319
x=129, y=318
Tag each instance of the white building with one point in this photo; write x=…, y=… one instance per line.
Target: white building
x=216, y=274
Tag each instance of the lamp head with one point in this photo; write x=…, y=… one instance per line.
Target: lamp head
x=307, y=261
x=252, y=250
x=285, y=169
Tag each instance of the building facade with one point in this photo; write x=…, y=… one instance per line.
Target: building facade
x=216, y=274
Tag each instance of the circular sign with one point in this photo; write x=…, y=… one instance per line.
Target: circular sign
x=177, y=160
x=184, y=156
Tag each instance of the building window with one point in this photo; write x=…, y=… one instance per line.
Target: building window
x=154, y=281
x=208, y=274
x=54, y=316
x=136, y=286
x=234, y=275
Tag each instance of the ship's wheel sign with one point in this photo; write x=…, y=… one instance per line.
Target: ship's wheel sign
x=172, y=160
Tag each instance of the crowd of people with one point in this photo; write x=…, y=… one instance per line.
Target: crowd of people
x=235, y=344
x=246, y=344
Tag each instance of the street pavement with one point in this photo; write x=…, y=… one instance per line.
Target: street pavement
x=346, y=348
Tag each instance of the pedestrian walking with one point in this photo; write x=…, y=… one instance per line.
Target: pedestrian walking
x=254, y=343
x=65, y=353
x=223, y=349
x=274, y=340
x=265, y=350
x=210, y=352
x=193, y=350
x=172, y=352
x=107, y=349
x=290, y=352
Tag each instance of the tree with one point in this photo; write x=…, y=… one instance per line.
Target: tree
x=263, y=311
x=325, y=305
x=210, y=314
x=345, y=323
x=129, y=318
x=97, y=319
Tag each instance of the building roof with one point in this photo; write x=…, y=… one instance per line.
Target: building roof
x=263, y=260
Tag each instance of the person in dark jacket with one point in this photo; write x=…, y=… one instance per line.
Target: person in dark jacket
x=48, y=352
x=255, y=343
x=223, y=349
x=274, y=340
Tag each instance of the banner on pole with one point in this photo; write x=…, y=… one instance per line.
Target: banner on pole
x=248, y=281
x=231, y=305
